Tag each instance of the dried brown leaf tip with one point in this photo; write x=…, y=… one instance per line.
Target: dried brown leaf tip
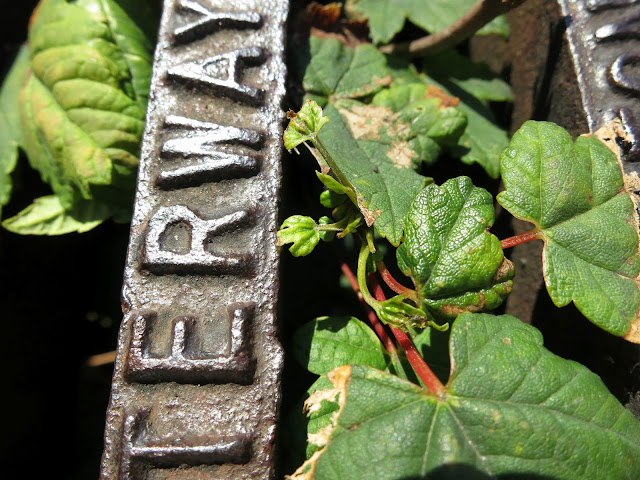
x=633, y=334
x=325, y=21
x=323, y=16
x=446, y=100
x=339, y=378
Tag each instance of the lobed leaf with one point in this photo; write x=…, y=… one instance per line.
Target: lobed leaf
x=303, y=125
x=575, y=196
x=387, y=17
x=482, y=141
x=335, y=71
x=511, y=407
x=425, y=117
x=453, y=260
x=303, y=233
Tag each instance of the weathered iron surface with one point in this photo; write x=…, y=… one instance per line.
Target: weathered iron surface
x=604, y=39
x=196, y=385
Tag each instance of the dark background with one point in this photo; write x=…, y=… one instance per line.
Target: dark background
x=60, y=303
x=60, y=296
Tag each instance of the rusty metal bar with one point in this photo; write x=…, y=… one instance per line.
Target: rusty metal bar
x=195, y=390
x=603, y=38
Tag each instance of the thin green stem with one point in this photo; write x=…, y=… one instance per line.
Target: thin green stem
x=374, y=321
x=324, y=153
x=370, y=242
x=362, y=277
x=330, y=227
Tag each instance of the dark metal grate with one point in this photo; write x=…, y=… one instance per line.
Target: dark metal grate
x=196, y=386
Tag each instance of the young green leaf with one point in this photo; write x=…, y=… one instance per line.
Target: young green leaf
x=10, y=125
x=303, y=232
x=46, y=216
x=575, y=196
x=304, y=125
x=453, y=260
x=387, y=17
x=511, y=407
x=330, y=342
x=336, y=71
x=84, y=102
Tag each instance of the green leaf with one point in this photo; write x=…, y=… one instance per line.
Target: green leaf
x=330, y=342
x=332, y=184
x=575, y=196
x=387, y=17
x=511, y=407
x=335, y=71
x=320, y=416
x=474, y=78
x=384, y=183
x=10, y=124
x=84, y=102
x=331, y=199
x=453, y=260
x=425, y=118
x=483, y=141
x=47, y=216
x=302, y=232
x=304, y=125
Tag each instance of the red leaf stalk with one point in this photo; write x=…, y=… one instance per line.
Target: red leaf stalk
x=415, y=359
x=394, y=285
x=520, y=239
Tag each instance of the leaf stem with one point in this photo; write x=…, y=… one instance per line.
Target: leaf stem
x=394, y=285
x=362, y=276
x=520, y=239
x=433, y=383
x=324, y=153
x=482, y=12
x=373, y=319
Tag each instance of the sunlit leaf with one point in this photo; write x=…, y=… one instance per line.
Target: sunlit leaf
x=511, y=407
x=574, y=194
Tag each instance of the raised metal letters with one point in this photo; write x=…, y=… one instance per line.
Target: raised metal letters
x=196, y=385
x=208, y=21
x=596, y=5
x=200, y=140
x=185, y=362
x=222, y=73
x=196, y=258
x=176, y=451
